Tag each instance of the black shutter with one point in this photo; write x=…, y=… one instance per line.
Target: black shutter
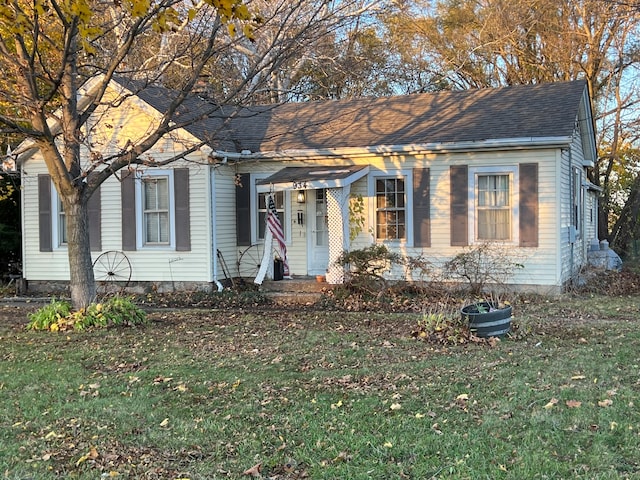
x=243, y=210
x=421, y=208
x=94, y=208
x=528, y=179
x=459, y=195
x=44, y=212
x=183, y=219
x=128, y=199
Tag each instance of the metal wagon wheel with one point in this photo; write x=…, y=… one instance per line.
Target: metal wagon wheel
x=249, y=261
x=112, y=271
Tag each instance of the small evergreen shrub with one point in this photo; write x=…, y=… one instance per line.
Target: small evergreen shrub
x=58, y=315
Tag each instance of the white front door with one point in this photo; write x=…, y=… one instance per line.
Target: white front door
x=318, y=233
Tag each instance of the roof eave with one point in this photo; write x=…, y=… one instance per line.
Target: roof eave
x=409, y=149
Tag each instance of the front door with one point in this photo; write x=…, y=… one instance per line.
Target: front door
x=318, y=232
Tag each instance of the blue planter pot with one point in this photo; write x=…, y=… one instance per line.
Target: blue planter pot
x=485, y=320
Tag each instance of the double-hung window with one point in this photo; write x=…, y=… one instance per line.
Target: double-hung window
x=62, y=224
x=494, y=204
x=262, y=212
x=390, y=208
x=155, y=207
x=59, y=219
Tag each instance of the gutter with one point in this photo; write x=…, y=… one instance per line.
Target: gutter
x=411, y=149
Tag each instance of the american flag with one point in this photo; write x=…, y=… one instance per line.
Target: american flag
x=275, y=227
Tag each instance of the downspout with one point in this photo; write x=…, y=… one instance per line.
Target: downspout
x=571, y=194
x=214, y=239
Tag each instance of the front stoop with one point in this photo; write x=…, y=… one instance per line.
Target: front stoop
x=298, y=291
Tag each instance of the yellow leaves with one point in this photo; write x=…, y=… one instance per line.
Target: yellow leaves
x=164, y=423
x=91, y=455
x=551, y=403
x=388, y=445
x=337, y=405
x=395, y=406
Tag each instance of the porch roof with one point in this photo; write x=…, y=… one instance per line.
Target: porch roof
x=303, y=178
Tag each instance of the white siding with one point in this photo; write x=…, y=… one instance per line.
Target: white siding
x=149, y=265
x=542, y=263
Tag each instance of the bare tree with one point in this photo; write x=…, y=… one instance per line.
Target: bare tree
x=49, y=49
x=473, y=44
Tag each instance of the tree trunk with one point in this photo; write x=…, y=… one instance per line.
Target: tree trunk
x=82, y=282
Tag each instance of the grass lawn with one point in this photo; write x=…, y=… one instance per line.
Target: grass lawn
x=205, y=394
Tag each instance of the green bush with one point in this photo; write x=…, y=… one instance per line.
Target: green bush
x=58, y=316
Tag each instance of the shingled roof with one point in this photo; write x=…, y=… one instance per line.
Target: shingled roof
x=543, y=111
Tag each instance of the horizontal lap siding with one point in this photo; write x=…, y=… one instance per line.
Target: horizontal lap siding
x=147, y=264
x=225, y=222
x=165, y=265
x=541, y=261
x=38, y=265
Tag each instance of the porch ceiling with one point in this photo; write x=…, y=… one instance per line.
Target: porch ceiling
x=301, y=178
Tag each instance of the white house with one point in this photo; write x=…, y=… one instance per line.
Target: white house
x=436, y=173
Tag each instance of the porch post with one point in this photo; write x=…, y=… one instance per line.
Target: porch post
x=338, y=224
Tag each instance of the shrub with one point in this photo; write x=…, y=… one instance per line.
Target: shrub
x=366, y=267
x=58, y=316
x=481, y=265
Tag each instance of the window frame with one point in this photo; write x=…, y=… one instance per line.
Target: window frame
x=57, y=216
x=577, y=201
x=514, y=198
x=407, y=176
x=255, y=210
x=140, y=212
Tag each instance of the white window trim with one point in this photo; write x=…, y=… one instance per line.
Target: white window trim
x=408, y=209
x=140, y=212
x=55, y=214
x=255, y=177
x=514, y=182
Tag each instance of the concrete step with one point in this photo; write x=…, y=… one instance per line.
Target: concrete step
x=300, y=290
x=297, y=284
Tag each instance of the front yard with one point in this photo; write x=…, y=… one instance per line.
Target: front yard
x=284, y=394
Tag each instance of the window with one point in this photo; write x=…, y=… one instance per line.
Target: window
x=58, y=220
x=62, y=224
x=495, y=198
x=390, y=208
x=576, y=200
x=493, y=207
x=155, y=201
x=155, y=214
x=262, y=213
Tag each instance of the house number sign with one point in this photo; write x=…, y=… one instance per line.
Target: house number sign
x=299, y=185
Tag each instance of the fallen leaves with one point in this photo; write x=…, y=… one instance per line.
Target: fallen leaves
x=254, y=471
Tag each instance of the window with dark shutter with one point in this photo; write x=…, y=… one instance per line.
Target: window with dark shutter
x=528, y=205
x=95, y=221
x=421, y=208
x=183, y=218
x=243, y=210
x=128, y=200
x=44, y=212
x=459, y=194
